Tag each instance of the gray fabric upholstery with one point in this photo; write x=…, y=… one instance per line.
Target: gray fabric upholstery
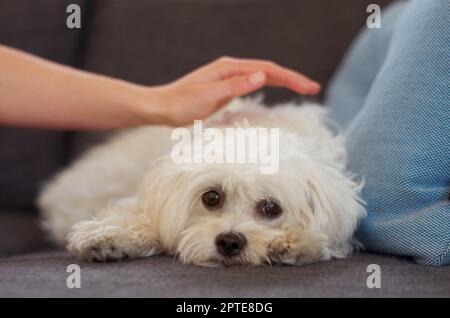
x=154, y=42
x=28, y=157
x=20, y=232
x=44, y=275
x=40, y=29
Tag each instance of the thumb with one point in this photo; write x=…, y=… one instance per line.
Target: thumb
x=237, y=86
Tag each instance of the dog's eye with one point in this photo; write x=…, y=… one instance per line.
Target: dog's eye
x=269, y=209
x=212, y=199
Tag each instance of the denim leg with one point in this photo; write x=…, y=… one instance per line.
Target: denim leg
x=399, y=139
x=351, y=83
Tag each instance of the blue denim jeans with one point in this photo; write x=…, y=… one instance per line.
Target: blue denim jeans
x=392, y=97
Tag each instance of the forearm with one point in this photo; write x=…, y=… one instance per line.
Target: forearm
x=38, y=93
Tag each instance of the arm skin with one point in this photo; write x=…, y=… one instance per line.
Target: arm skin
x=38, y=93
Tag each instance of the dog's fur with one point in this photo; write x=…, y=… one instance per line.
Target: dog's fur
x=128, y=199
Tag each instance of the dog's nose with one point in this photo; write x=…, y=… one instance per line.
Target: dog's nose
x=230, y=244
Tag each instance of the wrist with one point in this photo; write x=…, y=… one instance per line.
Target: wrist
x=149, y=105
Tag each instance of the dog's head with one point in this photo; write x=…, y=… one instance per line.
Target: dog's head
x=220, y=213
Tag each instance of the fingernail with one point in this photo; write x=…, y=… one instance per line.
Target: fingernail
x=315, y=85
x=257, y=78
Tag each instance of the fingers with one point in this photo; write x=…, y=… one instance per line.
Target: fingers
x=236, y=86
x=276, y=75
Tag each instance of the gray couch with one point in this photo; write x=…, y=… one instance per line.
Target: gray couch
x=153, y=42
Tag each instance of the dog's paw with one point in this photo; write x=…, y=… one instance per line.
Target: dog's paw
x=297, y=247
x=282, y=248
x=97, y=250
x=95, y=243
x=104, y=252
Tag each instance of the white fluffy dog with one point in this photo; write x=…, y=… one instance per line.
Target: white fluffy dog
x=128, y=198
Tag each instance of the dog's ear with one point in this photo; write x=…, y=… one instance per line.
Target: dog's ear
x=162, y=197
x=334, y=202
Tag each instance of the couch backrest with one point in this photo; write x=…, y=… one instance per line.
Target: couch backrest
x=154, y=41
x=27, y=156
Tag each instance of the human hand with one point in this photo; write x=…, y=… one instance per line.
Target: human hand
x=205, y=90
x=40, y=93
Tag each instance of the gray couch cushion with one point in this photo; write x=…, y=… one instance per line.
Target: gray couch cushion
x=20, y=232
x=154, y=42
x=40, y=28
x=44, y=275
x=28, y=157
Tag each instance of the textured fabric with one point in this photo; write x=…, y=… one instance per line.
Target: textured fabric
x=28, y=156
x=20, y=232
x=154, y=42
x=44, y=275
x=393, y=95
